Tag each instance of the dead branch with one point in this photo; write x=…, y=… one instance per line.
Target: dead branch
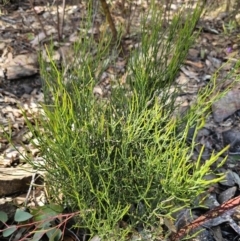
x=109, y=19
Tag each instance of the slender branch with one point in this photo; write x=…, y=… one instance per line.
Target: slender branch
x=62, y=18
x=216, y=212
x=37, y=17
x=109, y=19
x=58, y=22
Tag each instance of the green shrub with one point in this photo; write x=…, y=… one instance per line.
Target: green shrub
x=124, y=157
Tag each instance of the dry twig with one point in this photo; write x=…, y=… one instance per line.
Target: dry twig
x=109, y=19
x=216, y=212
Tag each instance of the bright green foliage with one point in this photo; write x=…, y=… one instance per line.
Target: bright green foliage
x=127, y=156
x=155, y=64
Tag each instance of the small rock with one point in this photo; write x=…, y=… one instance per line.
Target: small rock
x=227, y=105
x=227, y=194
x=211, y=201
x=183, y=218
x=96, y=238
x=97, y=90
x=231, y=179
x=232, y=138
